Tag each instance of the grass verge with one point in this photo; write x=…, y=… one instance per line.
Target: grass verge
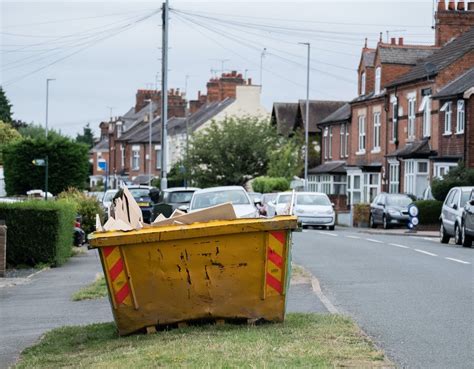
x=303, y=340
x=95, y=290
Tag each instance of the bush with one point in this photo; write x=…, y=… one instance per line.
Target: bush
x=458, y=176
x=429, y=211
x=270, y=184
x=86, y=206
x=38, y=231
x=361, y=215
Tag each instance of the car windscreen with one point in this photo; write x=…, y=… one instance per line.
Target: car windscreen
x=108, y=197
x=180, y=197
x=268, y=197
x=284, y=199
x=255, y=196
x=398, y=200
x=465, y=197
x=207, y=199
x=308, y=199
x=140, y=192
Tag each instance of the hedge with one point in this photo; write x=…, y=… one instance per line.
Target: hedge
x=270, y=184
x=429, y=211
x=38, y=231
x=361, y=215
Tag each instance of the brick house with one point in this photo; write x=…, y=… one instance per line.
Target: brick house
x=99, y=156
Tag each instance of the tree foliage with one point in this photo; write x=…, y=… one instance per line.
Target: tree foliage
x=35, y=131
x=231, y=152
x=68, y=164
x=286, y=159
x=5, y=107
x=7, y=135
x=87, y=137
x=457, y=176
x=269, y=184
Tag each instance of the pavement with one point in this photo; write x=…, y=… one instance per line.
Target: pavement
x=42, y=302
x=412, y=295
x=397, y=232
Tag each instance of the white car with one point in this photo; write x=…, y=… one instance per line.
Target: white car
x=282, y=203
x=314, y=209
x=243, y=205
x=107, y=199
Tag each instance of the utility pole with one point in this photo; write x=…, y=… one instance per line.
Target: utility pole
x=306, y=134
x=164, y=95
x=149, y=142
x=262, y=55
x=186, y=115
x=46, y=133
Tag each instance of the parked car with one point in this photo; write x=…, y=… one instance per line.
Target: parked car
x=141, y=194
x=389, y=209
x=451, y=214
x=268, y=207
x=314, y=209
x=282, y=202
x=467, y=227
x=177, y=196
x=243, y=205
x=107, y=199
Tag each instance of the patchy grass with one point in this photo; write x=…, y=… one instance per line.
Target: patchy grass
x=95, y=290
x=299, y=274
x=303, y=340
x=75, y=251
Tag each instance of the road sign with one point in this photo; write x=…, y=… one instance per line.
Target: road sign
x=39, y=162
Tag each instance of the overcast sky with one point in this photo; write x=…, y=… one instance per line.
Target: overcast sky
x=100, y=53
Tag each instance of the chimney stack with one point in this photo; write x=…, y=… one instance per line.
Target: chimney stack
x=400, y=41
x=452, y=5
x=441, y=6
x=393, y=41
x=461, y=5
x=470, y=5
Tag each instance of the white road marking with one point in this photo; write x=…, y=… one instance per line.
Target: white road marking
x=353, y=237
x=458, y=261
x=425, y=252
x=397, y=245
x=328, y=234
x=372, y=240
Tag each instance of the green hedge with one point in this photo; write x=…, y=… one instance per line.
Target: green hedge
x=429, y=211
x=270, y=184
x=38, y=231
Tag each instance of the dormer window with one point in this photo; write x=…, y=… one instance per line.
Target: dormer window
x=378, y=77
x=362, y=84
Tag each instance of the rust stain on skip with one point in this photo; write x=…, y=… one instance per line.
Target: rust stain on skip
x=220, y=269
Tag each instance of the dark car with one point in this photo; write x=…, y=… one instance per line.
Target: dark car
x=141, y=194
x=468, y=222
x=389, y=209
x=172, y=199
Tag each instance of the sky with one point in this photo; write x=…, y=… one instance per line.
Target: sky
x=101, y=52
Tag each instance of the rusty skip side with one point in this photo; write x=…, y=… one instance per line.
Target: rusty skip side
x=222, y=269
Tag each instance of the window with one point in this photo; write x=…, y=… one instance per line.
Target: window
x=394, y=177
x=122, y=156
x=135, y=157
x=330, y=142
x=376, y=131
x=394, y=119
x=371, y=186
x=344, y=141
x=441, y=169
x=460, y=117
x=362, y=84
x=411, y=118
x=362, y=134
x=426, y=109
x=416, y=177
x=325, y=142
x=158, y=156
x=447, y=117
x=378, y=76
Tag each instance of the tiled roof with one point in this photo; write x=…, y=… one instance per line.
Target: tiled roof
x=335, y=167
x=102, y=145
x=417, y=149
x=440, y=59
x=458, y=86
x=407, y=55
x=284, y=115
x=340, y=115
x=318, y=110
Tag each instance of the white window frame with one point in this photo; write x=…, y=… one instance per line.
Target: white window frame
x=122, y=155
x=344, y=141
x=441, y=169
x=325, y=142
x=377, y=133
x=425, y=108
x=158, y=154
x=363, y=84
x=411, y=130
x=460, y=117
x=378, y=80
x=447, y=109
x=368, y=186
x=351, y=174
x=394, y=177
x=412, y=173
x=330, y=142
x=362, y=135
x=135, y=159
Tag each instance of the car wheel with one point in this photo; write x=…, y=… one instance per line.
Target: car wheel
x=385, y=223
x=443, y=236
x=331, y=228
x=457, y=235
x=466, y=240
x=372, y=222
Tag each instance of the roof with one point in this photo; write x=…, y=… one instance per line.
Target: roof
x=102, y=145
x=369, y=96
x=458, y=86
x=407, y=55
x=284, y=115
x=318, y=110
x=340, y=115
x=440, y=59
x=416, y=149
x=334, y=167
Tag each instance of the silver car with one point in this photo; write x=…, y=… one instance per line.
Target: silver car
x=314, y=209
x=451, y=214
x=243, y=205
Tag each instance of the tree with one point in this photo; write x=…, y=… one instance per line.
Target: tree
x=457, y=176
x=7, y=136
x=287, y=160
x=37, y=131
x=87, y=136
x=230, y=152
x=5, y=107
x=68, y=164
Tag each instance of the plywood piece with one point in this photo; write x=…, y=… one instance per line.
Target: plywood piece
x=98, y=224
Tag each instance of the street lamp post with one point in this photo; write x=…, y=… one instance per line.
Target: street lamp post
x=46, y=133
x=306, y=128
x=149, y=142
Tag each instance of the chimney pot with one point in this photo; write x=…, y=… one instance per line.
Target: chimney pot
x=441, y=5
x=393, y=41
x=400, y=41
x=452, y=5
x=461, y=5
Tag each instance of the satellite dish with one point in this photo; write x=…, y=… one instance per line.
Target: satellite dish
x=430, y=68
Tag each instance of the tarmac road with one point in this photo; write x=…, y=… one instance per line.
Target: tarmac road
x=412, y=295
